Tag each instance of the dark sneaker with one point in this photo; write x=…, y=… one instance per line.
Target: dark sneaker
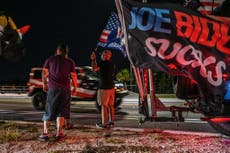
x=100, y=126
x=107, y=134
x=43, y=137
x=60, y=137
x=111, y=124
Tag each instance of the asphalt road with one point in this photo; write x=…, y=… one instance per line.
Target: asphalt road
x=19, y=108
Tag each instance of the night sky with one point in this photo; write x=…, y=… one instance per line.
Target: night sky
x=78, y=23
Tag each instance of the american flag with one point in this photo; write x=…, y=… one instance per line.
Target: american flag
x=112, y=35
x=208, y=6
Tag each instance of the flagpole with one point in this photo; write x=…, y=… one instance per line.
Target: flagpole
x=213, y=5
x=131, y=76
x=153, y=103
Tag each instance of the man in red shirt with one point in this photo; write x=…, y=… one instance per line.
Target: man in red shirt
x=58, y=69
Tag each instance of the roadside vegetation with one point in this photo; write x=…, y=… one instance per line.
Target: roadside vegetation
x=22, y=137
x=163, y=83
x=11, y=131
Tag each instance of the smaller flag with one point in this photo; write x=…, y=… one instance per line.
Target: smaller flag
x=112, y=35
x=207, y=6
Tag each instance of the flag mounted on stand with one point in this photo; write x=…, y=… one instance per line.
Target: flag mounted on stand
x=171, y=38
x=112, y=36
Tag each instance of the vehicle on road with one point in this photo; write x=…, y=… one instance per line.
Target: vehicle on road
x=87, y=88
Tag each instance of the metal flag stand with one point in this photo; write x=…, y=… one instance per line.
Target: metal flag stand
x=150, y=106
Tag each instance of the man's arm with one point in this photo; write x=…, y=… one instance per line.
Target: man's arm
x=94, y=62
x=45, y=74
x=74, y=79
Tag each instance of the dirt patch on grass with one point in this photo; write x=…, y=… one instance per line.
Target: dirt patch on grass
x=22, y=138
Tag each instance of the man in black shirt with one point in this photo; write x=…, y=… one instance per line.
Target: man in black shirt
x=106, y=90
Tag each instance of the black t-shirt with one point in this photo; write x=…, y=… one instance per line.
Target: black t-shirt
x=106, y=74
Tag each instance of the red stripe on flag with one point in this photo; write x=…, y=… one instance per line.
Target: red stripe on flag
x=104, y=36
x=119, y=33
x=205, y=12
x=210, y=4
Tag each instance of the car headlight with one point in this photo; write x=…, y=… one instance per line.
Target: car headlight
x=119, y=85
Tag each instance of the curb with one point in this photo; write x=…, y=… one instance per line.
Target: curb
x=171, y=132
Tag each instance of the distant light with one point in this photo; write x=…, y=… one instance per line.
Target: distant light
x=220, y=119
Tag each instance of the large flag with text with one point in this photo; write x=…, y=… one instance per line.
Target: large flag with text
x=112, y=36
x=174, y=39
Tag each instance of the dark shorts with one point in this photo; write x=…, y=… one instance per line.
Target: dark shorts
x=57, y=104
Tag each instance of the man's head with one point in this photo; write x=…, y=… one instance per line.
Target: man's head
x=62, y=49
x=106, y=55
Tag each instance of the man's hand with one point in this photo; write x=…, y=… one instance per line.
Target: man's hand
x=93, y=56
x=75, y=89
x=74, y=80
x=45, y=87
x=94, y=63
x=45, y=74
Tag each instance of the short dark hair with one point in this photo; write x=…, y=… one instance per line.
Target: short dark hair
x=64, y=48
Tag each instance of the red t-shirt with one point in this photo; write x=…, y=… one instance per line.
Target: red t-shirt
x=60, y=69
